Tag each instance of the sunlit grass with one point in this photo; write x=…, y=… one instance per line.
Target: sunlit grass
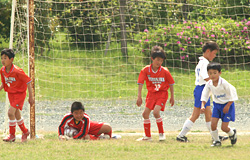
x=125, y=148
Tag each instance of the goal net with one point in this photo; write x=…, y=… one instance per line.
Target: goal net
x=93, y=50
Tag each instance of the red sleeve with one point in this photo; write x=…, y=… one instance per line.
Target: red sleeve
x=23, y=77
x=170, y=79
x=85, y=128
x=2, y=77
x=142, y=77
x=63, y=123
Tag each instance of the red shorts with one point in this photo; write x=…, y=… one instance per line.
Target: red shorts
x=95, y=128
x=17, y=99
x=156, y=98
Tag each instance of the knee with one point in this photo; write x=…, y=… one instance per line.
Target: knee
x=213, y=127
x=11, y=114
x=108, y=127
x=156, y=114
x=145, y=115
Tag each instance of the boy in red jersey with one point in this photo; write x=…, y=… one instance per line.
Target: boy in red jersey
x=158, y=80
x=80, y=121
x=15, y=83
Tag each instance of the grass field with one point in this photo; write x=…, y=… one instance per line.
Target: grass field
x=126, y=148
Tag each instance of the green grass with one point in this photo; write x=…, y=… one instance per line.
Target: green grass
x=125, y=148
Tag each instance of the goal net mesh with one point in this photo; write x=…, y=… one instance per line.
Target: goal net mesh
x=79, y=55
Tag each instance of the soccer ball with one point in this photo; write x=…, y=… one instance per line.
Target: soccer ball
x=70, y=132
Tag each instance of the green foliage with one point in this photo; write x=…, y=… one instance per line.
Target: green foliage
x=91, y=22
x=44, y=26
x=5, y=14
x=183, y=41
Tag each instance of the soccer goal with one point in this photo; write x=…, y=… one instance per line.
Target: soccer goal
x=93, y=50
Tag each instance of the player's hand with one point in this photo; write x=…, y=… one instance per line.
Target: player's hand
x=202, y=109
x=62, y=137
x=226, y=109
x=31, y=100
x=171, y=101
x=139, y=101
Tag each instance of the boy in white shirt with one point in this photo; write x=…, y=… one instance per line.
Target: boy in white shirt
x=224, y=95
x=209, y=49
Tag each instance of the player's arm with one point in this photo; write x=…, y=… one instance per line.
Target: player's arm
x=3, y=81
x=31, y=98
x=139, y=99
x=204, y=97
x=203, y=106
x=1, y=87
x=172, y=95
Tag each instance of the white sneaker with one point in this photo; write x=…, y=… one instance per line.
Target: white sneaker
x=145, y=138
x=116, y=136
x=104, y=136
x=162, y=137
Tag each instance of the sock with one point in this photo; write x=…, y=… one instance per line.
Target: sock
x=208, y=124
x=215, y=135
x=12, y=127
x=231, y=132
x=147, y=124
x=186, y=128
x=21, y=125
x=159, y=125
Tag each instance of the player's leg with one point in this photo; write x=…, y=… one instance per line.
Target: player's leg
x=214, y=132
x=195, y=115
x=12, y=125
x=106, y=129
x=19, y=101
x=146, y=124
x=188, y=125
x=226, y=118
x=159, y=122
x=230, y=131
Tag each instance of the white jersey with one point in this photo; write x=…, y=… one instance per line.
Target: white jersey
x=222, y=93
x=201, y=71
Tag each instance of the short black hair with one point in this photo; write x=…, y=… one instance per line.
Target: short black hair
x=157, y=51
x=76, y=106
x=8, y=52
x=214, y=65
x=211, y=45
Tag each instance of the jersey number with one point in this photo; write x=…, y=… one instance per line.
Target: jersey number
x=157, y=87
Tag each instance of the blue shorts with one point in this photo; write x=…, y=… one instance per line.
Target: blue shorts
x=197, y=96
x=218, y=112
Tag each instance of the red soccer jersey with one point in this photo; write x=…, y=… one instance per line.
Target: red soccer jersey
x=82, y=126
x=15, y=81
x=156, y=81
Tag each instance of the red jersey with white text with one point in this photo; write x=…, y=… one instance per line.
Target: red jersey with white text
x=82, y=126
x=15, y=81
x=156, y=81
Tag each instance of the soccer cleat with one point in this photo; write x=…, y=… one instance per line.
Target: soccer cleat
x=10, y=138
x=182, y=139
x=24, y=136
x=162, y=137
x=216, y=144
x=223, y=138
x=233, y=138
x=116, y=136
x=145, y=138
